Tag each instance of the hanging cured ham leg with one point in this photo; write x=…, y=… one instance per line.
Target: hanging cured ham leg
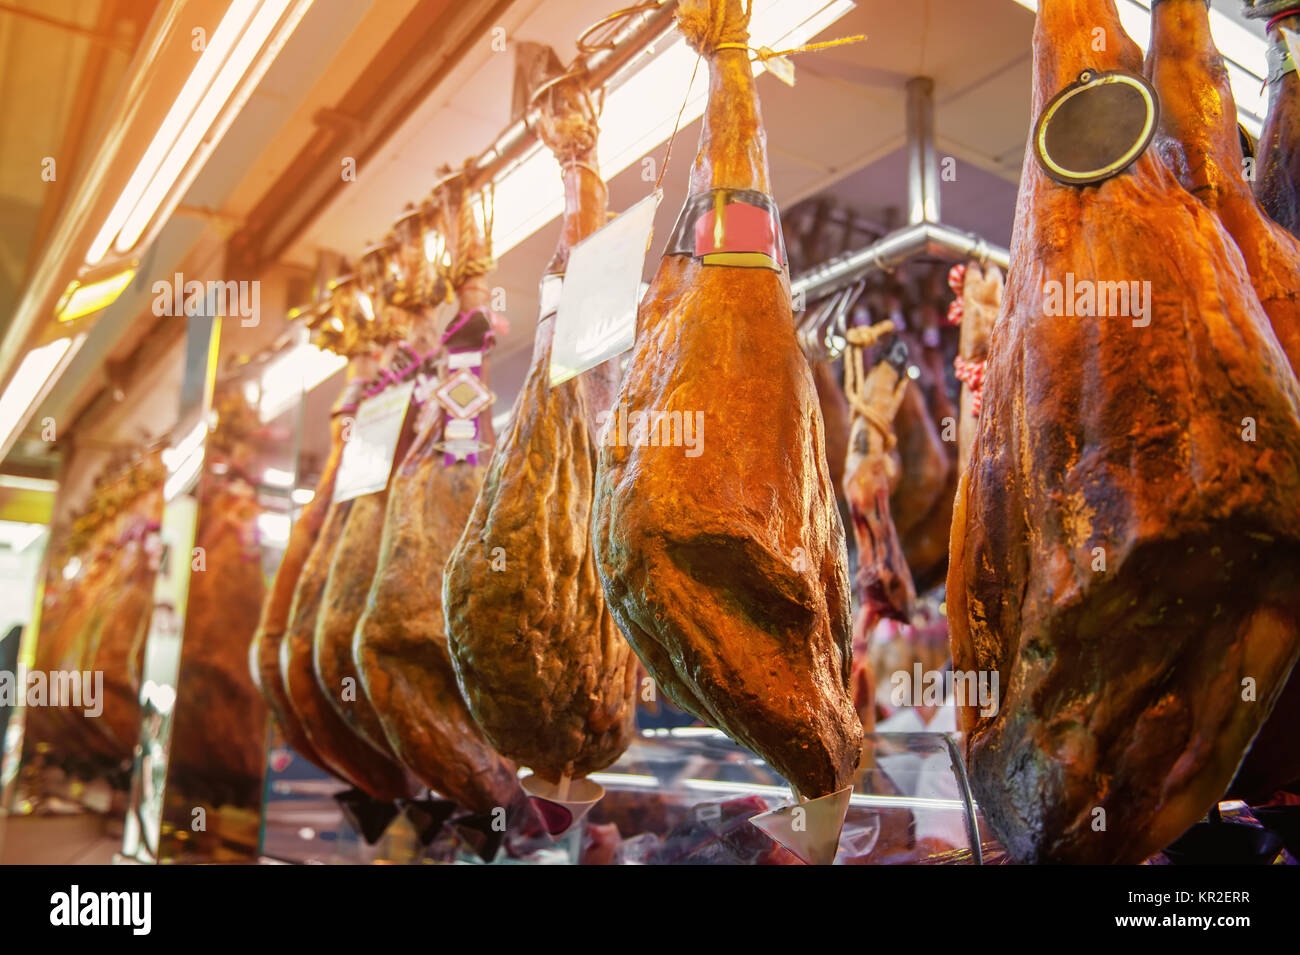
x=1121, y=557
x=346, y=754
x=544, y=669
x=727, y=571
x=357, y=556
x=1198, y=123
x=218, y=739
x=1277, y=171
x=1199, y=142
x=265, y=654
x=884, y=582
x=835, y=418
x=400, y=643
x=979, y=291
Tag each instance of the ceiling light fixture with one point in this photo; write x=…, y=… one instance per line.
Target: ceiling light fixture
x=1243, y=53
x=293, y=374
x=236, y=57
x=30, y=383
x=86, y=295
x=640, y=114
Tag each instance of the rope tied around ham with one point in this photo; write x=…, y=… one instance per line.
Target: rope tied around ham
x=472, y=255
x=861, y=339
x=709, y=25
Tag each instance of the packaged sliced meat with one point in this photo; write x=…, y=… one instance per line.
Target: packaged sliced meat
x=726, y=569
x=1124, y=557
x=1277, y=167
x=265, y=653
x=544, y=670
x=400, y=643
x=1199, y=141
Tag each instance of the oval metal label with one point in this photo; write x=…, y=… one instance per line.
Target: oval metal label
x=1097, y=127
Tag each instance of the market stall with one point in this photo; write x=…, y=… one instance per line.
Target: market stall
x=707, y=431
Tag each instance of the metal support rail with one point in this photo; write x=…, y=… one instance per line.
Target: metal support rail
x=924, y=234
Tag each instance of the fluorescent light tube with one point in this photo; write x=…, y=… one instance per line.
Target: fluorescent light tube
x=296, y=372
x=214, y=100
x=211, y=97
x=640, y=114
x=227, y=32
x=34, y=377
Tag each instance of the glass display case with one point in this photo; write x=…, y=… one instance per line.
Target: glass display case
x=682, y=796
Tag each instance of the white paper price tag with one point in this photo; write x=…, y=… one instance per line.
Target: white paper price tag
x=597, y=315
x=367, y=458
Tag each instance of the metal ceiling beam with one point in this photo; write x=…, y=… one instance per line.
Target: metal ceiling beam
x=606, y=67
x=422, y=51
x=924, y=234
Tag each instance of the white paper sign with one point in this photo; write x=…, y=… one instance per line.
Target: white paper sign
x=367, y=458
x=597, y=315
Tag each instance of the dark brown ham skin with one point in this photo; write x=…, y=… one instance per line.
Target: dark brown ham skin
x=727, y=572
x=920, y=499
x=399, y=645
x=265, y=655
x=345, y=753
x=219, y=728
x=1277, y=173
x=118, y=650
x=835, y=418
x=1121, y=689
x=544, y=670
x=1198, y=140
x=1198, y=131
x=883, y=584
x=348, y=586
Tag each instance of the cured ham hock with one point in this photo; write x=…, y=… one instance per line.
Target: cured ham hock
x=1121, y=556
x=265, y=654
x=727, y=571
x=1198, y=141
x=1198, y=137
x=399, y=645
x=544, y=669
x=345, y=753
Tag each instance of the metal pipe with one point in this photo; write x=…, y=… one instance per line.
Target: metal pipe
x=926, y=238
x=925, y=234
x=605, y=67
x=922, y=161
